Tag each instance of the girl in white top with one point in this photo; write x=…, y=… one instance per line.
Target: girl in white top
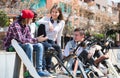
x=53, y=26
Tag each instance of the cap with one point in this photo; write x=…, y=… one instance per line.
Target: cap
x=27, y=14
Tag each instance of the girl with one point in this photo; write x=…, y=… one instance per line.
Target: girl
x=53, y=30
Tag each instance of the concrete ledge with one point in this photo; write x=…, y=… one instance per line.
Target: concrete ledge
x=10, y=65
x=114, y=55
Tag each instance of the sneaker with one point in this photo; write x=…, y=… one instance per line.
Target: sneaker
x=27, y=75
x=42, y=73
x=49, y=74
x=51, y=71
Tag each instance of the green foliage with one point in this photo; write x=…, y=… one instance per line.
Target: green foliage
x=4, y=20
x=99, y=36
x=112, y=36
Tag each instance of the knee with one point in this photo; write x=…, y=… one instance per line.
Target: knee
x=29, y=46
x=40, y=46
x=46, y=45
x=57, y=47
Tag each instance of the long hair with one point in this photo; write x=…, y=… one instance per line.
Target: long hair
x=60, y=17
x=20, y=20
x=35, y=16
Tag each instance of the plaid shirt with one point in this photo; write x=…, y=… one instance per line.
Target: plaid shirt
x=20, y=33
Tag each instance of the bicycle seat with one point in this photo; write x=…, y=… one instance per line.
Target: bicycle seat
x=51, y=51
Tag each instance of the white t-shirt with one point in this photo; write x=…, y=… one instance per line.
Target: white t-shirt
x=56, y=34
x=32, y=29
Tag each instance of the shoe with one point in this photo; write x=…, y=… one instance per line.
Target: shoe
x=51, y=75
x=47, y=72
x=44, y=74
x=27, y=75
x=51, y=71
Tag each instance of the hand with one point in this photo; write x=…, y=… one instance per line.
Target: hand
x=71, y=52
x=89, y=55
x=41, y=38
x=51, y=28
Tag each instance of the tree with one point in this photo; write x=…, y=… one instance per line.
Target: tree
x=4, y=20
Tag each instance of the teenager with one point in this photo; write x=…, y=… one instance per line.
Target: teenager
x=52, y=27
x=20, y=31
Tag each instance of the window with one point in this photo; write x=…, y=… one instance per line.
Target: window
x=69, y=23
x=65, y=8
x=98, y=19
x=103, y=8
x=114, y=11
x=61, y=4
x=88, y=0
x=69, y=9
x=97, y=6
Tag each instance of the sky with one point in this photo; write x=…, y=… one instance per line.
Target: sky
x=116, y=0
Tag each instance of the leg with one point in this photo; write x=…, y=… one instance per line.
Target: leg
x=39, y=58
x=83, y=57
x=58, y=49
x=100, y=59
x=75, y=67
x=28, y=48
x=46, y=59
x=39, y=55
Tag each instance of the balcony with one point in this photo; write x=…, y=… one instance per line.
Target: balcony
x=92, y=9
x=85, y=7
x=82, y=5
x=83, y=20
x=91, y=22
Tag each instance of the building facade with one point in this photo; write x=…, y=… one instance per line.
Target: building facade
x=88, y=14
x=92, y=14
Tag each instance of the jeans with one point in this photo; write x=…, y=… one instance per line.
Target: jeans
x=48, y=59
x=84, y=59
x=38, y=48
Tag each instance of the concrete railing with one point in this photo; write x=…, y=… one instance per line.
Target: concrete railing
x=10, y=65
x=114, y=55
